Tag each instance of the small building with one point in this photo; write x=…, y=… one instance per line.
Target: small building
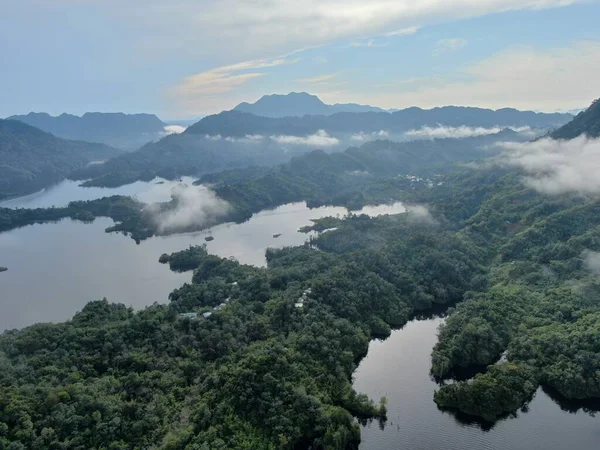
x=189, y=315
x=206, y=315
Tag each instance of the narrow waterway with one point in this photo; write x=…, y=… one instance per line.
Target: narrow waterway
x=398, y=368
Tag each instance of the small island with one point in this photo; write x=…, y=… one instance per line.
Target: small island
x=275, y=236
x=3, y=269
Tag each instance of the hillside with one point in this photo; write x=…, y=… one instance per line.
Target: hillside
x=177, y=155
x=586, y=122
x=239, y=124
x=127, y=131
x=31, y=159
x=298, y=104
x=234, y=352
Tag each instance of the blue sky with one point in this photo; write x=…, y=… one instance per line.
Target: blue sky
x=186, y=58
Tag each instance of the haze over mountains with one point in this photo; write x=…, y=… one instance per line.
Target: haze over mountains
x=586, y=122
x=31, y=159
x=303, y=114
x=126, y=131
x=235, y=139
x=299, y=104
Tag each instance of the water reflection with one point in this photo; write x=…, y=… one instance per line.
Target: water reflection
x=55, y=269
x=398, y=368
x=60, y=194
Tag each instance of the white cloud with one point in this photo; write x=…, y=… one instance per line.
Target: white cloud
x=509, y=78
x=239, y=27
x=420, y=214
x=364, y=137
x=195, y=207
x=369, y=43
x=444, y=132
x=556, y=167
x=174, y=129
x=449, y=45
x=249, y=138
x=403, y=31
x=207, y=87
x=319, y=139
x=591, y=261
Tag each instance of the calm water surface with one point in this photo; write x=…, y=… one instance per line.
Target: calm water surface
x=55, y=269
x=158, y=190
x=398, y=368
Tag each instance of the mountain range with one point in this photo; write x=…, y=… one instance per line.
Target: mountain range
x=31, y=159
x=587, y=122
x=236, y=123
x=125, y=131
x=298, y=104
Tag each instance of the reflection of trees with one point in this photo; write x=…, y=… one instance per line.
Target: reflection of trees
x=588, y=406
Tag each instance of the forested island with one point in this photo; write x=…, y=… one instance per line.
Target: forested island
x=236, y=360
x=3, y=269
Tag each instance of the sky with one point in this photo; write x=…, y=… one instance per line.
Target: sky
x=190, y=58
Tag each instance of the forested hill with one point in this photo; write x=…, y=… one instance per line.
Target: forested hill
x=586, y=122
x=240, y=124
x=235, y=361
x=375, y=172
x=31, y=159
x=182, y=154
x=128, y=131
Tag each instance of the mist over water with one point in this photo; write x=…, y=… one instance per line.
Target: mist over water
x=55, y=269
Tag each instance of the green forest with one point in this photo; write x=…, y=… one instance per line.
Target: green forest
x=236, y=361
x=31, y=159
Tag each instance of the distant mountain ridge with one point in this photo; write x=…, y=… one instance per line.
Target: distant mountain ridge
x=127, y=131
x=298, y=104
x=31, y=159
x=238, y=124
x=586, y=122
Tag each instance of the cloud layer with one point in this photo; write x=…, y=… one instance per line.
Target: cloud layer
x=555, y=166
x=420, y=214
x=444, y=132
x=319, y=139
x=591, y=261
x=196, y=207
x=364, y=137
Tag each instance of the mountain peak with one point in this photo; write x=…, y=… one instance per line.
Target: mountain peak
x=586, y=122
x=297, y=104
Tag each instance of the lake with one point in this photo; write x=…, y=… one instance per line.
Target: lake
x=55, y=269
x=60, y=194
x=398, y=368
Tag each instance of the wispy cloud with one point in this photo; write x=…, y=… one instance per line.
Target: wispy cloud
x=403, y=31
x=444, y=132
x=449, y=45
x=200, y=88
x=320, y=79
x=372, y=43
x=591, y=261
x=509, y=78
x=319, y=139
x=556, y=167
x=364, y=137
x=192, y=207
